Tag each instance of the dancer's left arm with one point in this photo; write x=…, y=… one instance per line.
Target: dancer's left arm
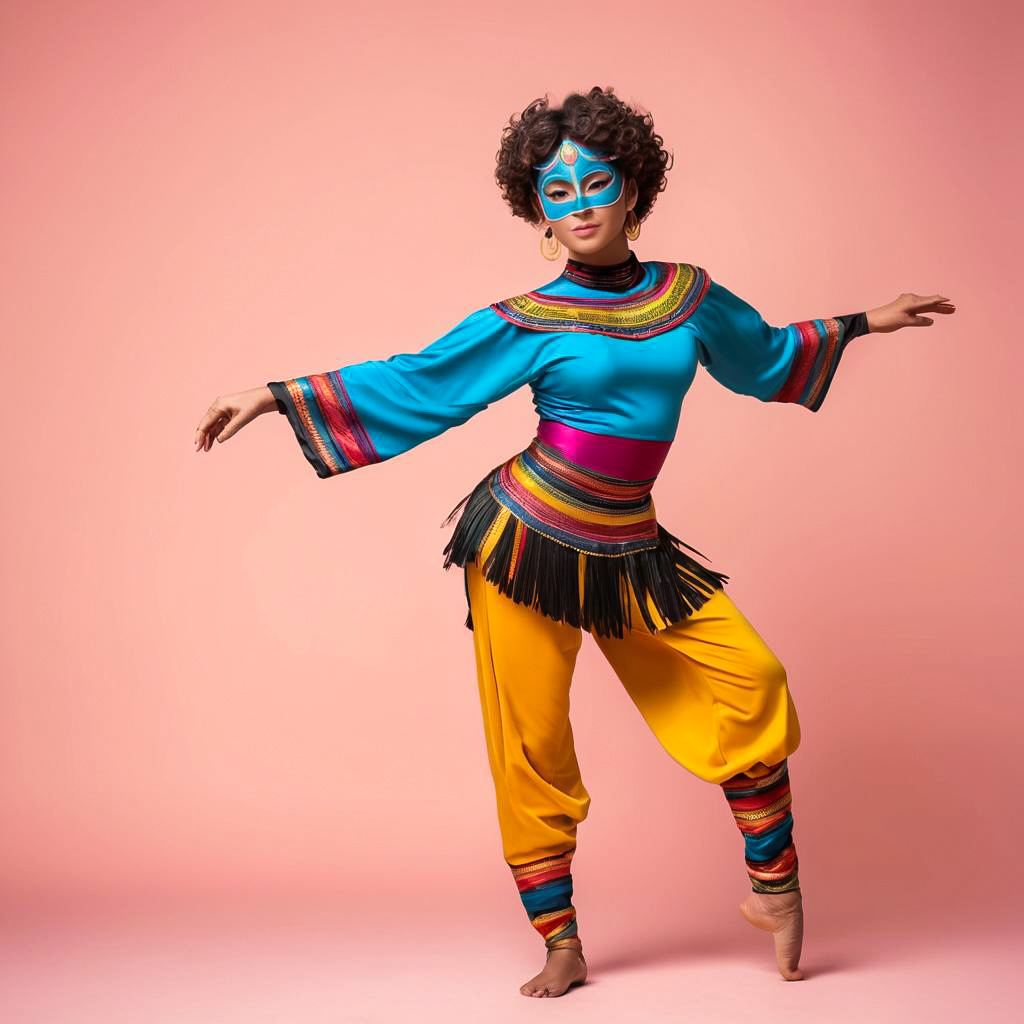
x=795, y=363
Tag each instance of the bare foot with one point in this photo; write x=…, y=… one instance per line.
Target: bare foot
x=565, y=967
x=782, y=914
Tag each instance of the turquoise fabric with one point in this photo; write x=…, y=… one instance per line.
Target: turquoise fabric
x=605, y=385
x=739, y=349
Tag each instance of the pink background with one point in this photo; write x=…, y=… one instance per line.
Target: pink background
x=240, y=700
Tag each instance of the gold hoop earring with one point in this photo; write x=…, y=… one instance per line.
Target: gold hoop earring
x=632, y=226
x=548, y=250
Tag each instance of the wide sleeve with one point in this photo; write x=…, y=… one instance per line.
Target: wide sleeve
x=374, y=410
x=795, y=363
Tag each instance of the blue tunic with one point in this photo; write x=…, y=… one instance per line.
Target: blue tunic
x=615, y=360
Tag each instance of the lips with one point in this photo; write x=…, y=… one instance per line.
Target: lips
x=584, y=230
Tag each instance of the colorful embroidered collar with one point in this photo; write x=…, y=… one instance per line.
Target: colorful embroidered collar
x=675, y=292
x=616, y=277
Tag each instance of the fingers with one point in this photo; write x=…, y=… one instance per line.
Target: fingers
x=211, y=426
x=915, y=305
x=938, y=307
x=204, y=438
x=214, y=413
x=230, y=427
x=914, y=302
x=208, y=437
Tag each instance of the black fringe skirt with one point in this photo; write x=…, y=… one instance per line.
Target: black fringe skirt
x=544, y=525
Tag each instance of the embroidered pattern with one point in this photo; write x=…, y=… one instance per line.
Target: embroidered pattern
x=821, y=346
x=583, y=510
x=326, y=424
x=545, y=887
x=761, y=807
x=677, y=290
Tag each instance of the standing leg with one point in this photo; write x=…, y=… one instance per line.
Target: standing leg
x=717, y=698
x=525, y=663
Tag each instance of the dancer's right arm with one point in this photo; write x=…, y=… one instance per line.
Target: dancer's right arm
x=374, y=410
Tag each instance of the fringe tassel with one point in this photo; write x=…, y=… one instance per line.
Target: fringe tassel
x=546, y=575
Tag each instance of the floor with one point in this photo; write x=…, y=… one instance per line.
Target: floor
x=304, y=969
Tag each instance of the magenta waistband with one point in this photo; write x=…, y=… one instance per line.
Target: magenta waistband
x=623, y=457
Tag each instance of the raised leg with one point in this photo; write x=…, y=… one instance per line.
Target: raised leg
x=760, y=801
x=718, y=700
x=761, y=805
x=711, y=690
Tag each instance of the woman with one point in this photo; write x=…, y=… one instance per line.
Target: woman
x=562, y=536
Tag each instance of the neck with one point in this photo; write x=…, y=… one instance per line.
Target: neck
x=616, y=251
x=613, y=277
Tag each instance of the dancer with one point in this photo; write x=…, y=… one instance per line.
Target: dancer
x=561, y=536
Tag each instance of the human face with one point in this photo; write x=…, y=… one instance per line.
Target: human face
x=583, y=197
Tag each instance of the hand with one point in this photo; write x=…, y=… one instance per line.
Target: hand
x=229, y=413
x=906, y=312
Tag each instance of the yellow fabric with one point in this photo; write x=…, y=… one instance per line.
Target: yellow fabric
x=709, y=688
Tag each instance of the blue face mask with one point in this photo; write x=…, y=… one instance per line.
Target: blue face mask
x=571, y=165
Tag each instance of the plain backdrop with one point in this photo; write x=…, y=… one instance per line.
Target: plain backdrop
x=230, y=685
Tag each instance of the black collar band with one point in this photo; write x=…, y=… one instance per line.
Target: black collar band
x=616, y=277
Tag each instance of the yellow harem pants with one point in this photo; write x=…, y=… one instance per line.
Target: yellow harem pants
x=709, y=688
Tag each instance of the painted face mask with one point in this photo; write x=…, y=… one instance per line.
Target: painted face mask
x=571, y=164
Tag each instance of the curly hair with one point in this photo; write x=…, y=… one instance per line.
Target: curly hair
x=598, y=119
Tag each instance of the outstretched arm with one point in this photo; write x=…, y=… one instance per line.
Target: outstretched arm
x=374, y=410
x=795, y=363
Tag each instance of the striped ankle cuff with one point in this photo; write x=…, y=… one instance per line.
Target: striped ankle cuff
x=761, y=807
x=545, y=887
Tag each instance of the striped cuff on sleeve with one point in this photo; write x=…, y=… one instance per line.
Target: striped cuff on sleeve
x=821, y=346
x=325, y=422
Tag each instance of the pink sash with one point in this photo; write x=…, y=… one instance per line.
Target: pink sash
x=624, y=457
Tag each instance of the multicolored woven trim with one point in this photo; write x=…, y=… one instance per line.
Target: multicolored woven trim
x=821, y=347
x=582, y=509
x=328, y=429
x=676, y=291
x=761, y=807
x=545, y=887
x=540, y=525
